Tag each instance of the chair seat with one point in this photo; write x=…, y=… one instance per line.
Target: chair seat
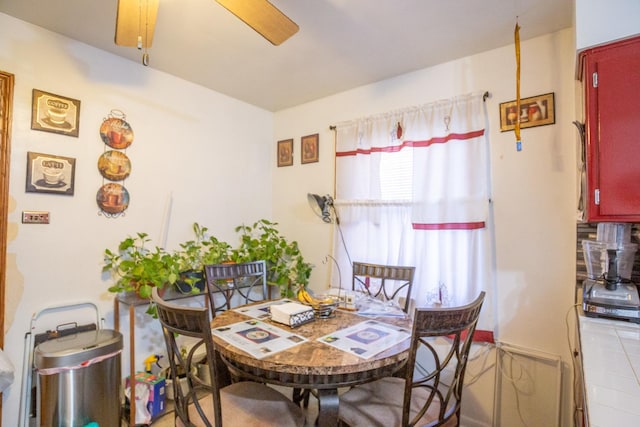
x=250, y=404
x=379, y=404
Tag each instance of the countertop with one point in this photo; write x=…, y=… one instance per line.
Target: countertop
x=611, y=367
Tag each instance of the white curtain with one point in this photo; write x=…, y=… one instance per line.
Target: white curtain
x=413, y=188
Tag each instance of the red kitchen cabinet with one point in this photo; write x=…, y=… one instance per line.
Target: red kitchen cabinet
x=611, y=80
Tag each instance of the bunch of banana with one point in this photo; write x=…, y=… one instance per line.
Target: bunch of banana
x=306, y=298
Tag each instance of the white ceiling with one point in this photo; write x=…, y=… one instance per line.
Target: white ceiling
x=341, y=44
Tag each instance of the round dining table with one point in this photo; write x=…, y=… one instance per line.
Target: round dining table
x=313, y=364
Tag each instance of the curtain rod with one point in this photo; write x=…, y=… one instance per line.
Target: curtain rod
x=484, y=99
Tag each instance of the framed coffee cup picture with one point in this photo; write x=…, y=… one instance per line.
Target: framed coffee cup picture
x=47, y=173
x=55, y=113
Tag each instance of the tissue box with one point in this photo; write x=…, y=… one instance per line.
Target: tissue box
x=157, y=395
x=291, y=314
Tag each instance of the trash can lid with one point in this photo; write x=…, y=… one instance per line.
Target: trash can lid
x=72, y=350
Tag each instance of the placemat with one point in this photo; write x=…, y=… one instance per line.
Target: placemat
x=367, y=338
x=258, y=338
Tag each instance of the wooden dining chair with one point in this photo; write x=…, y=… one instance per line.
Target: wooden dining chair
x=430, y=391
x=385, y=282
x=216, y=402
x=245, y=282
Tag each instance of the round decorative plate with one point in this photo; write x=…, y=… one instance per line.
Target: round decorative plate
x=114, y=165
x=116, y=133
x=113, y=198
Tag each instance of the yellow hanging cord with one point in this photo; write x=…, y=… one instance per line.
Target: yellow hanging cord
x=517, y=126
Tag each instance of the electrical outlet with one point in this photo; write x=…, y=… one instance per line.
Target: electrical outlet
x=35, y=217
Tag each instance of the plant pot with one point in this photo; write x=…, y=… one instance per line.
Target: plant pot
x=189, y=280
x=134, y=296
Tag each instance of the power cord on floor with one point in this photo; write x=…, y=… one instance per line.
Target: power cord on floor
x=484, y=351
x=512, y=379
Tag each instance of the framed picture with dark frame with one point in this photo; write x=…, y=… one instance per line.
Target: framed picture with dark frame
x=285, y=152
x=47, y=173
x=534, y=111
x=55, y=113
x=309, y=148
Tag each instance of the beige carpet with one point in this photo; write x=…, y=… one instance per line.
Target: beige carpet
x=166, y=420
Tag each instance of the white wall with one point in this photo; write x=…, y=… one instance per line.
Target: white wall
x=599, y=22
x=189, y=142
x=533, y=190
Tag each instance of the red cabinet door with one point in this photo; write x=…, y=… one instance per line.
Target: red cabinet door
x=612, y=88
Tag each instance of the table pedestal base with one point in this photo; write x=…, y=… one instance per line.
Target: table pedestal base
x=327, y=407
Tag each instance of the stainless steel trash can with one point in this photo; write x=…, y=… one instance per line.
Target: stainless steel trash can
x=79, y=379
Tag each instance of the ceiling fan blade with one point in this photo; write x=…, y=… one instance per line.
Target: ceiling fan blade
x=136, y=18
x=263, y=17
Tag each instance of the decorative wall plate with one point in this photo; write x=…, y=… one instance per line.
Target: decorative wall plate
x=116, y=133
x=114, y=165
x=113, y=198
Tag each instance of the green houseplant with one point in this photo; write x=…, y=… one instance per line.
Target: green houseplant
x=194, y=254
x=137, y=268
x=286, y=267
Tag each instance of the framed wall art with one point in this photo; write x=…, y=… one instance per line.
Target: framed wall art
x=534, y=111
x=47, y=173
x=309, y=148
x=55, y=113
x=285, y=152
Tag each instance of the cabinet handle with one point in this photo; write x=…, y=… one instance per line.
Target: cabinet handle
x=596, y=196
x=594, y=79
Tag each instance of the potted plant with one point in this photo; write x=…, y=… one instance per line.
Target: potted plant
x=194, y=255
x=137, y=268
x=286, y=267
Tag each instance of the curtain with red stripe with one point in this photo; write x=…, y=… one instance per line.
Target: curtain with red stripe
x=450, y=188
x=413, y=188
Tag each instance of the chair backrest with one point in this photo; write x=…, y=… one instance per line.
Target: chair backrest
x=191, y=322
x=386, y=282
x=235, y=279
x=442, y=381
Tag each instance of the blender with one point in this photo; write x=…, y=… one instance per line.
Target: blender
x=608, y=290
